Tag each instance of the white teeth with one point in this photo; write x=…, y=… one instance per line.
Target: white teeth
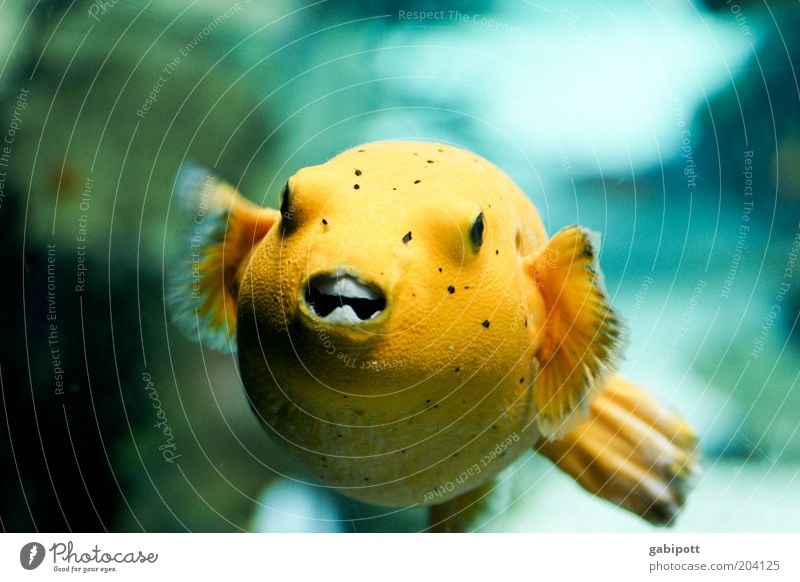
x=341, y=299
x=343, y=314
x=346, y=286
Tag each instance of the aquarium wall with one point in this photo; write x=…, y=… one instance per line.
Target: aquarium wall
x=672, y=129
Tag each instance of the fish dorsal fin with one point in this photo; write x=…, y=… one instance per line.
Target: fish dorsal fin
x=222, y=229
x=581, y=331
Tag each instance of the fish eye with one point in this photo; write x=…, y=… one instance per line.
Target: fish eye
x=286, y=206
x=476, y=232
x=288, y=210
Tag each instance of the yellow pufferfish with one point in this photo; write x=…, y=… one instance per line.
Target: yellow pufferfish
x=406, y=329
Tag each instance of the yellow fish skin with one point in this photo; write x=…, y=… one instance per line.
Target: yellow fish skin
x=405, y=327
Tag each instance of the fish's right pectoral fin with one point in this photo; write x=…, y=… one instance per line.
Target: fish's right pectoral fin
x=222, y=229
x=631, y=451
x=581, y=332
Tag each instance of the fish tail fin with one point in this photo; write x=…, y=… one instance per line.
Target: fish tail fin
x=581, y=332
x=632, y=451
x=222, y=230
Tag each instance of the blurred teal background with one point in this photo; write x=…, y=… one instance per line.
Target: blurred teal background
x=672, y=128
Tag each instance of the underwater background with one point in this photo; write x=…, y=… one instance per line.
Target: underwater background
x=672, y=128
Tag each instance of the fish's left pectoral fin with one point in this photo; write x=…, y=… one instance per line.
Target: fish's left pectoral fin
x=581, y=332
x=221, y=229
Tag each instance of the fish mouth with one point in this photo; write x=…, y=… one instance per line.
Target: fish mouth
x=342, y=298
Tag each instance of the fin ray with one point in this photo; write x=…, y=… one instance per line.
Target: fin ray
x=224, y=229
x=581, y=334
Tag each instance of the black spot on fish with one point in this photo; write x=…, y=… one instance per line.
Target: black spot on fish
x=428, y=401
x=455, y=454
x=485, y=323
x=521, y=380
x=366, y=478
x=494, y=427
x=430, y=161
x=440, y=150
x=457, y=370
x=394, y=188
x=325, y=222
x=358, y=172
x=451, y=289
x=403, y=451
x=339, y=435
x=526, y=322
x=497, y=252
x=588, y=251
x=417, y=181
x=356, y=186
x=466, y=286
x=360, y=151
x=407, y=237
x=440, y=269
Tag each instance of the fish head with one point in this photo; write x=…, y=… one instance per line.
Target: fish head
x=389, y=253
